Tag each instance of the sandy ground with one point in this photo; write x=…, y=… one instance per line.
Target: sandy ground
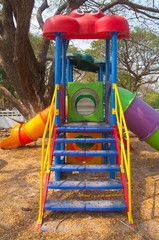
x=19, y=199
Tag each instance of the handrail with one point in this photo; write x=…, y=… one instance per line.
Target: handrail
x=45, y=155
x=125, y=154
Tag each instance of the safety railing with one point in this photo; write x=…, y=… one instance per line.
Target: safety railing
x=124, y=153
x=45, y=155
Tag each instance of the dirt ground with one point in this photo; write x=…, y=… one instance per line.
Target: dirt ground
x=19, y=200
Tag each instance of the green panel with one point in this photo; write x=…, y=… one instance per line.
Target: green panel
x=77, y=91
x=154, y=140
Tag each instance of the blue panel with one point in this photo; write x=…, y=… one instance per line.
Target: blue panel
x=68, y=168
x=69, y=153
x=101, y=153
x=102, y=168
x=66, y=185
x=65, y=205
x=105, y=205
x=103, y=185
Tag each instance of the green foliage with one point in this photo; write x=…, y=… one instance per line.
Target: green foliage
x=153, y=99
x=36, y=43
x=97, y=49
x=73, y=49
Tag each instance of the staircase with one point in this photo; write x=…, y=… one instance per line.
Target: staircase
x=111, y=162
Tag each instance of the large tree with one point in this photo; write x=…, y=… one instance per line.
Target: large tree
x=27, y=70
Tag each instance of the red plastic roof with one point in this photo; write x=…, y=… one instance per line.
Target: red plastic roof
x=80, y=25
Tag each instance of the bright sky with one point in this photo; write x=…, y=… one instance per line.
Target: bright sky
x=84, y=44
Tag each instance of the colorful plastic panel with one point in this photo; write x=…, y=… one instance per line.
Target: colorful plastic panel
x=85, y=102
x=84, y=146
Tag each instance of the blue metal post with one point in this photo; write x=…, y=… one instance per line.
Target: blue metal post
x=107, y=78
x=107, y=71
x=71, y=73
x=113, y=76
x=64, y=69
x=68, y=69
x=64, y=50
x=101, y=72
x=113, y=80
x=99, y=75
x=57, y=81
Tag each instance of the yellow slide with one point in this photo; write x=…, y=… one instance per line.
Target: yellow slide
x=22, y=134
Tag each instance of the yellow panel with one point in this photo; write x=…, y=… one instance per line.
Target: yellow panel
x=84, y=146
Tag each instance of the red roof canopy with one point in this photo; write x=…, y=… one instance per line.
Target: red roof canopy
x=80, y=25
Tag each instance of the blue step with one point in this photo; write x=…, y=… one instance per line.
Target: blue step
x=104, y=185
x=88, y=168
x=102, y=205
x=85, y=140
x=100, y=140
x=66, y=185
x=102, y=168
x=60, y=205
x=94, y=185
x=85, y=153
x=85, y=129
x=105, y=205
x=101, y=153
x=68, y=153
x=67, y=168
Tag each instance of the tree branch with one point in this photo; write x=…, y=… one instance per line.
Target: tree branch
x=14, y=101
x=133, y=6
x=61, y=8
x=43, y=6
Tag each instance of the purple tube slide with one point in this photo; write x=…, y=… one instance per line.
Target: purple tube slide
x=141, y=119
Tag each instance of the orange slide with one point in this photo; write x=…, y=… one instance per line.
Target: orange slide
x=22, y=134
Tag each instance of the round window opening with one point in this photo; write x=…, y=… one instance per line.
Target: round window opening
x=85, y=101
x=85, y=106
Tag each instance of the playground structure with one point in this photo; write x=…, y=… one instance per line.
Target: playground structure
x=87, y=141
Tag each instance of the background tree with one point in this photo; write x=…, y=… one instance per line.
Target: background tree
x=138, y=59
x=152, y=99
x=26, y=68
x=6, y=83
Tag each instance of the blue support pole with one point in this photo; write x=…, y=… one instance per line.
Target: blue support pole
x=113, y=76
x=107, y=78
x=64, y=70
x=57, y=81
x=71, y=73
x=107, y=71
x=68, y=69
x=99, y=76
x=101, y=72
x=64, y=50
x=113, y=80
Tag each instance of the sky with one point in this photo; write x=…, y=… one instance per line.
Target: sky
x=85, y=44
